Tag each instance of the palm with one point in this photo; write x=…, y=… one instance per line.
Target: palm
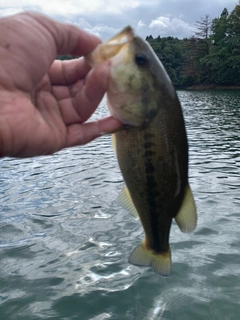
x=44, y=105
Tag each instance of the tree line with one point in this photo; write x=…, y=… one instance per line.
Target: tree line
x=210, y=56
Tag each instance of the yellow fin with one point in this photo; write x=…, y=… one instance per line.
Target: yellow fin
x=187, y=215
x=160, y=263
x=125, y=201
x=114, y=143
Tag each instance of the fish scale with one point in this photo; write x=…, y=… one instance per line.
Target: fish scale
x=144, y=177
x=151, y=148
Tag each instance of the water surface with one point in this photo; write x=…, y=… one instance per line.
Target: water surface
x=65, y=242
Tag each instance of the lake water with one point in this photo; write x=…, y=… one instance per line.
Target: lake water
x=65, y=242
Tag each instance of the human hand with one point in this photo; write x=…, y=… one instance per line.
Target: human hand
x=44, y=103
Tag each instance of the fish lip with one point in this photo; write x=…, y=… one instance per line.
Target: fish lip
x=123, y=37
x=109, y=49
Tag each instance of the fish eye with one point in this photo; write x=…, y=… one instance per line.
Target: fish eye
x=141, y=59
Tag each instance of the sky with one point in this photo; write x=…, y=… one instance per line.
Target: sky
x=105, y=18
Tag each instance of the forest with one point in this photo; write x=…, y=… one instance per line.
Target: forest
x=210, y=57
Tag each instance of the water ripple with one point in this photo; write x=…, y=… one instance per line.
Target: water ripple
x=65, y=241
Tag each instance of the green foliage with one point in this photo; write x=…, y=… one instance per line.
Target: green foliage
x=224, y=55
x=212, y=56
x=170, y=52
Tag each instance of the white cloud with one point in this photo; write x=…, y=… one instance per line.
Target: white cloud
x=141, y=24
x=69, y=7
x=107, y=16
x=9, y=11
x=167, y=25
x=103, y=31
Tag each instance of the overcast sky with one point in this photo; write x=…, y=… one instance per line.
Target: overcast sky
x=106, y=17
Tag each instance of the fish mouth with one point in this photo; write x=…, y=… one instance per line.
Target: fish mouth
x=118, y=52
x=105, y=51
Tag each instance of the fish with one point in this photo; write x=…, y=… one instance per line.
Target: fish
x=151, y=146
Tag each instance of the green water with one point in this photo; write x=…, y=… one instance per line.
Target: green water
x=65, y=242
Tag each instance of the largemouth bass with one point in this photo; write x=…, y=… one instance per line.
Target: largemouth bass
x=151, y=148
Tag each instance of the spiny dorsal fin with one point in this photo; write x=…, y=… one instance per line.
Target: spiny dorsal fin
x=125, y=201
x=186, y=217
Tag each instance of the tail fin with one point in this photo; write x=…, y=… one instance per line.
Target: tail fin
x=159, y=262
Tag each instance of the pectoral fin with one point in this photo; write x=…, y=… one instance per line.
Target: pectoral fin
x=187, y=215
x=125, y=200
x=159, y=262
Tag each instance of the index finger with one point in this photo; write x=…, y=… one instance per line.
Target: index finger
x=40, y=39
x=68, y=72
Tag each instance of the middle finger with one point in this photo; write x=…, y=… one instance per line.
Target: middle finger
x=67, y=72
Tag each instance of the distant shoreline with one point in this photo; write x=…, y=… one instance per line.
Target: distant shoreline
x=209, y=87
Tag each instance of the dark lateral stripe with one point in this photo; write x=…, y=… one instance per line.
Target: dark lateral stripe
x=148, y=145
x=149, y=168
x=149, y=153
x=153, y=193
x=148, y=135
